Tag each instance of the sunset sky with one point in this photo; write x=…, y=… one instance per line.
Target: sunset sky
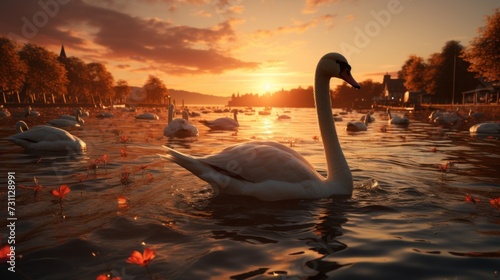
x=222, y=47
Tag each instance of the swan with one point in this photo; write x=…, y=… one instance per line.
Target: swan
x=147, y=116
x=179, y=127
x=104, y=114
x=4, y=112
x=284, y=117
x=271, y=171
x=397, y=120
x=46, y=138
x=223, y=123
x=29, y=112
x=67, y=122
x=490, y=128
x=358, y=125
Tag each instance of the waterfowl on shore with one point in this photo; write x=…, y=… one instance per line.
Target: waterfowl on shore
x=46, y=138
x=271, y=171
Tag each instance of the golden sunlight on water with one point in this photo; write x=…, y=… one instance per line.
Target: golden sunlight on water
x=406, y=214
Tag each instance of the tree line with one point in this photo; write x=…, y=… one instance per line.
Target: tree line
x=33, y=74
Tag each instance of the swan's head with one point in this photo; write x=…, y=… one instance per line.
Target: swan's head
x=336, y=65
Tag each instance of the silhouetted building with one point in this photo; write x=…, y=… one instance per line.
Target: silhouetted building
x=63, y=53
x=394, y=89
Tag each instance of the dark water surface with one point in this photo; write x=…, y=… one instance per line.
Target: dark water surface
x=405, y=220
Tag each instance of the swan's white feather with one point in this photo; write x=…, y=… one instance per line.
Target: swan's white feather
x=259, y=169
x=491, y=128
x=48, y=138
x=180, y=128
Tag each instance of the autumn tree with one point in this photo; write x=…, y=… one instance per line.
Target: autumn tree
x=155, y=90
x=12, y=68
x=78, y=78
x=100, y=81
x=122, y=90
x=45, y=74
x=483, y=53
x=413, y=72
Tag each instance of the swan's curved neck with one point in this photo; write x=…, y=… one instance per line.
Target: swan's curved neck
x=21, y=127
x=338, y=170
x=235, y=115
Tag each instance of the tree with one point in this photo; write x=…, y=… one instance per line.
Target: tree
x=12, y=69
x=413, y=72
x=483, y=53
x=45, y=73
x=155, y=90
x=78, y=78
x=122, y=90
x=100, y=81
x=447, y=73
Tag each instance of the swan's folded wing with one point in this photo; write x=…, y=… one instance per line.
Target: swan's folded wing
x=262, y=161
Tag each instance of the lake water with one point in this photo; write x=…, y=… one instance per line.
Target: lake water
x=405, y=220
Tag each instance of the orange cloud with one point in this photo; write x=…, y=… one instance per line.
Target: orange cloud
x=177, y=49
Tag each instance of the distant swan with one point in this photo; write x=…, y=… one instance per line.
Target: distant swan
x=397, y=120
x=104, y=114
x=223, y=123
x=358, y=125
x=67, y=122
x=271, y=171
x=46, y=138
x=487, y=128
x=29, y=112
x=179, y=127
x=147, y=116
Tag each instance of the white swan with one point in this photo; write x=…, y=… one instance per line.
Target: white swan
x=147, y=116
x=104, y=114
x=487, y=128
x=29, y=112
x=223, y=123
x=397, y=120
x=271, y=171
x=358, y=125
x=4, y=112
x=179, y=127
x=67, y=122
x=46, y=138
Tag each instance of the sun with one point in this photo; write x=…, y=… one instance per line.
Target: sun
x=267, y=87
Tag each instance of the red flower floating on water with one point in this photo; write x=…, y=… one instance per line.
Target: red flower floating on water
x=469, y=198
x=123, y=152
x=107, y=277
x=3, y=253
x=122, y=200
x=495, y=202
x=61, y=192
x=142, y=259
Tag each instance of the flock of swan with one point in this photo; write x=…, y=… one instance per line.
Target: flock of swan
x=265, y=170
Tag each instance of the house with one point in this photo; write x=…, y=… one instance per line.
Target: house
x=394, y=89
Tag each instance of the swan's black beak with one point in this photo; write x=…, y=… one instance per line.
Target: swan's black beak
x=346, y=76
